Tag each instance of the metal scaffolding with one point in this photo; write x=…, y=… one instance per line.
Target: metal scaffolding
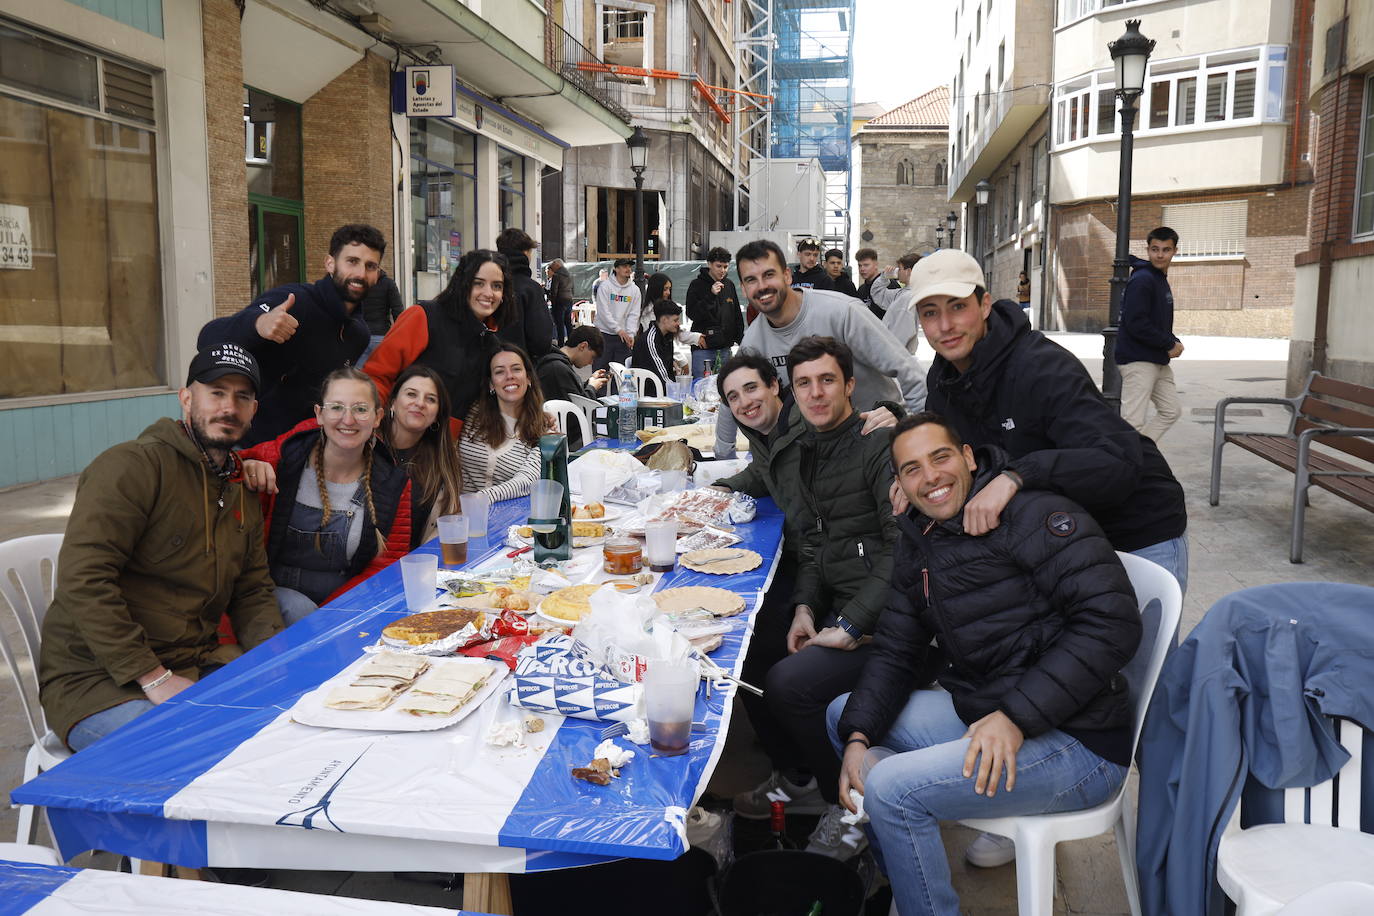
x=801, y=53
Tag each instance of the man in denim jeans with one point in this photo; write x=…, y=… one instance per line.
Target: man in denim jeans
x=1036, y=620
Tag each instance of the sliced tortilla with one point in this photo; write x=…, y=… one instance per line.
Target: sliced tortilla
x=428, y=704
x=394, y=664
x=360, y=698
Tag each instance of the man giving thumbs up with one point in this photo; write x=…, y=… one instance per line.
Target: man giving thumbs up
x=301, y=332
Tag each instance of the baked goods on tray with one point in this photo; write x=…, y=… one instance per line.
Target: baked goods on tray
x=590, y=510
x=445, y=691
x=432, y=626
x=570, y=604
x=720, y=602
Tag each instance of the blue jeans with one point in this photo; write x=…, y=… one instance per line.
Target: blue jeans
x=907, y=794
x=294, y=606
x=94, y=727
x=371, y=345
x=1172, y=555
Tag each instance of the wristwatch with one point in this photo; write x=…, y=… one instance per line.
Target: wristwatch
x=854, y=632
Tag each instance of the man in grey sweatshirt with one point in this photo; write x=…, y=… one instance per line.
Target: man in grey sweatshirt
x=790, y=314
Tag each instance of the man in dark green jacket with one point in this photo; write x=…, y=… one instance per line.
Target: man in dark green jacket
x=810, y=642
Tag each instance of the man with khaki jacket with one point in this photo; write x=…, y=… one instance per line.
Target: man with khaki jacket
x=161, y=543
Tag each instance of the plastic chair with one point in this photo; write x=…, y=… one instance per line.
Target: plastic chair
x=644, y=380
x=26, y=852
x=1036, y=836
x=1267, y=866
x=1344, y=898
x=562, y=410
x=25, y=559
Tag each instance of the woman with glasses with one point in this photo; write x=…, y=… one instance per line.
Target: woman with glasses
x=418, y=436
x=499, y=447
x=336, y=508
x=455, y=333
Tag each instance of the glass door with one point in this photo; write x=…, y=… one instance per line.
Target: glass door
x=276, y=254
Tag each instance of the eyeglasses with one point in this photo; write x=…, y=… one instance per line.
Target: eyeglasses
x=335, y=410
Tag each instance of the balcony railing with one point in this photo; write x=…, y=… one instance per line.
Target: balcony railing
x=565, y=53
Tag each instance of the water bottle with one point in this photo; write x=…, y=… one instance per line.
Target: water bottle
x=629, y=406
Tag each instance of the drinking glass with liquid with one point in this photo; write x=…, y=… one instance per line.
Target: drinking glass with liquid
x=453, y=539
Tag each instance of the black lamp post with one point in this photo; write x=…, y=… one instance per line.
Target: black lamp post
x=981, y=192
x=952, y=221
x=939, y=235
x=1130, y=53
x=638, y=142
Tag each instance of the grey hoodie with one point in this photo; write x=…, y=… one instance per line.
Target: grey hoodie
x=878, y=356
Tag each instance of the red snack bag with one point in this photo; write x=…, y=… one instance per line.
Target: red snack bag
x=504, y=649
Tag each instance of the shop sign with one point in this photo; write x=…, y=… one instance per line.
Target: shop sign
x=16, y=249
x=429, y=91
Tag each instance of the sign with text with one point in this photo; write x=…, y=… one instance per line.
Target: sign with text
x=16, y=247
x=429, y=91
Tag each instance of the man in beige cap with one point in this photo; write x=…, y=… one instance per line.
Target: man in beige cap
x=999, y=382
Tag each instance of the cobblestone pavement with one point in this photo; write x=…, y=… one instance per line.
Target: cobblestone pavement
x=1240, y=543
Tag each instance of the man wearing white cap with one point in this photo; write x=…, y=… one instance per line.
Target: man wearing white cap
x=1001, y=383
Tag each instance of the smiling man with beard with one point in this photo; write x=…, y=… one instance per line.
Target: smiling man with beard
x=162, y=542
x=301, y=332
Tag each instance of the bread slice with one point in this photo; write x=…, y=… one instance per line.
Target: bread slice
x=360, y=698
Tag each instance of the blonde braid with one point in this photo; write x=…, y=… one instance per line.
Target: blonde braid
x=367, y=493
x=317, y=459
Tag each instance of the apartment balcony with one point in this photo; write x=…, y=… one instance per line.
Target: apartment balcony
x=1005, y=121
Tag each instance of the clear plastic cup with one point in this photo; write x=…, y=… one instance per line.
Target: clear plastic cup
x=476, y=507
x=660, y=544
x=670, y=696
x=453, y=539
x=419, y=575
x=673, y=480
x=546, y=499
x=593, y=482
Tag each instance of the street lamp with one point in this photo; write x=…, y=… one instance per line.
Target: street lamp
x=952, y=220
x=981, y=192
x=939, y=235
x=638, y=142
x=1130, y=53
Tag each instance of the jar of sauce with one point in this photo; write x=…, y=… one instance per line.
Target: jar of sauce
x=622, y=556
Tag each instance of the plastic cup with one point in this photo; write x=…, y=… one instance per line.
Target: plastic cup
x=546, y=499
x=673, y=480
x=593, y=485
x=419, y=573
x=475, y=508
x=670, y=696
x=660, y=544
x=453, y=539
x=647, y=482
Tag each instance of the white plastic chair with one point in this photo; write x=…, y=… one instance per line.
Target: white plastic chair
x=1267, y=866
x=562, y=410
x=644, y=380
x=26, y=852
x=33, y=561
x=1036, y=836
x=1343, y=898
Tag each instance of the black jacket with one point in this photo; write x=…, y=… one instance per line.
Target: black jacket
x=561, y=287
x=558, y=380
x=330, y=335
x=653, y=350
x=459, y=349
x=1035, y=618
x=717, y=315
x=532, y=327
x=815, y=278
x=1147, y=317
x=865, y=294
x=1032, y=398
x=382, y=305
x=842, y=284
x=775, y=461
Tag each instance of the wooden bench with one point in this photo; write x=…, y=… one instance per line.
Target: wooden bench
x=1314, y=416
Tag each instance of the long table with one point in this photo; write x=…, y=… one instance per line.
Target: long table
x=47, y=890
x=220, y=775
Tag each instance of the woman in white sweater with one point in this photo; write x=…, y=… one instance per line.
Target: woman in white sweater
x=499, y=446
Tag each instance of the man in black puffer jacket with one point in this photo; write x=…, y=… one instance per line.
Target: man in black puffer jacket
x=1036, y=619
x=533, y=325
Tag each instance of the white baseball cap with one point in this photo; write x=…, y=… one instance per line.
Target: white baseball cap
x=947, y=272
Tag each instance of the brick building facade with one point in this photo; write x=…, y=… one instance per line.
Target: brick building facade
x=904, y=171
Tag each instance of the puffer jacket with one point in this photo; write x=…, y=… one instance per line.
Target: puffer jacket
x=1029, y=396
x=391, y=494
x=532, y=324
x=846, y=559
x=773, y=460
x=156, y=551
x=1035, y=618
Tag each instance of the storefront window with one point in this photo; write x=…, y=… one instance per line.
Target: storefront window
x=443, y=183
x=80, y=262
x=511, y=181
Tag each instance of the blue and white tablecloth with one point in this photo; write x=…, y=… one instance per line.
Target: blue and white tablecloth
x=47, y=890
x=220, y=775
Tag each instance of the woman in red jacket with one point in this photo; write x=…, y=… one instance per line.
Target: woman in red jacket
x=336, y=508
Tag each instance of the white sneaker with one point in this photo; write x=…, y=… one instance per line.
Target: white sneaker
x=988, y=850
x=836, y=839
x=756, y=803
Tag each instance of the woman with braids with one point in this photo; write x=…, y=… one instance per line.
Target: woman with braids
x=336, y=507
x=499, y=447
x=455, y=333
x=420, y=442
